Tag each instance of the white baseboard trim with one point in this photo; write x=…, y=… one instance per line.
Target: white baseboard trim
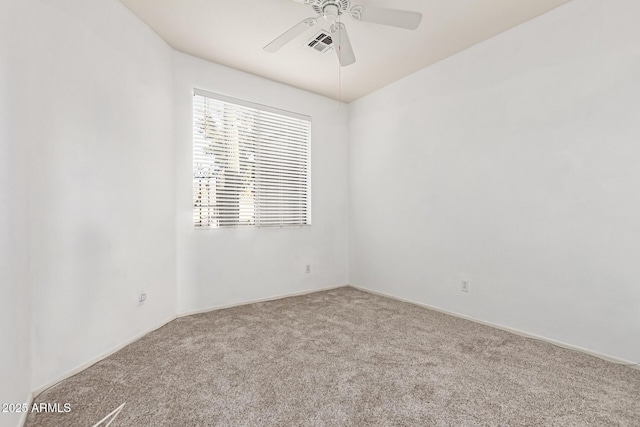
x=254, y=301
x=125, y=343
x=97, y=359
x=606, y=357
x=120, y=346
x=23, y=418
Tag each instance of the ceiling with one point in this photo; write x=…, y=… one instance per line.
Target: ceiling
x=233, y=33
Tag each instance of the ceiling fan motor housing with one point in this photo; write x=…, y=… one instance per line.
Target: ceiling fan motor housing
x=331, y=11
x=321, y=6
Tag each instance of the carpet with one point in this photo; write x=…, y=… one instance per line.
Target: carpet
x=343, y=357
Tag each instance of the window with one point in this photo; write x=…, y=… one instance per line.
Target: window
x=251, y=164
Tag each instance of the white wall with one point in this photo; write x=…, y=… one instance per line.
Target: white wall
x=513, y=164
x=92, y=115
x=227, y=266
x=98, y=118
x=15, y=376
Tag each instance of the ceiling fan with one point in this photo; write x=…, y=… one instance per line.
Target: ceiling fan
x=331, y=10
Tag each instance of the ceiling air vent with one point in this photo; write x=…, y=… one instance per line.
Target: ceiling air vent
x=321, y=42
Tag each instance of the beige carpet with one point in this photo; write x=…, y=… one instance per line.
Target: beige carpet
x=344, y=357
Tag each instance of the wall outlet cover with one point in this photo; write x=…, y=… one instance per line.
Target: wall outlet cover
x=465, y=286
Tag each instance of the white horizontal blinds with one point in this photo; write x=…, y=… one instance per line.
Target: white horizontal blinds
x=251, y=164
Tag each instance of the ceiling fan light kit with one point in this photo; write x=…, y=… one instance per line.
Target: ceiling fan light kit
x=331, y=10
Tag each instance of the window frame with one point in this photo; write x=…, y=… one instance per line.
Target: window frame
x=263, y=108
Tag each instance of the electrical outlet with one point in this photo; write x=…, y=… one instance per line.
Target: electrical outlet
x=308, y=269
x=142, y=297
x=465, y=285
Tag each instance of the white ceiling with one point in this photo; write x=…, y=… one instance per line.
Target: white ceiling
x=233, y=33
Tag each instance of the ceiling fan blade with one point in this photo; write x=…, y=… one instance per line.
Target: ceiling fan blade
x=392, y=17
x=342, y=44
x=290, y=34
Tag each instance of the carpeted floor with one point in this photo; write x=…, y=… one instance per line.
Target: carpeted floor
x=344, y=357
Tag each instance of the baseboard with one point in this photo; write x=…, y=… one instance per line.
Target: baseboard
x=23, y=418
x=606, y=357
x=120, y=346
x=97, y=359
x=254, y=301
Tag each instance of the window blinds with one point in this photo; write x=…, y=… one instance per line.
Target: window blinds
x=251, y=164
